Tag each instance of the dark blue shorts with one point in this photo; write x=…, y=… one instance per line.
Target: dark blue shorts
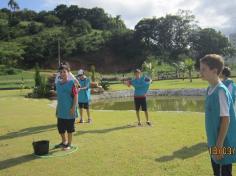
x=140, y=103
x=65, y=125
x=84, y=105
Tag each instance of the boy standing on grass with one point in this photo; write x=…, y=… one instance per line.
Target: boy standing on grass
x=66, y=112
x=229, y=83
x=84, y=95
x=141, y=86
x=220, y=118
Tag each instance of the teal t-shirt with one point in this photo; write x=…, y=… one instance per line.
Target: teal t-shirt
x=227, y=82
x=84, y=95
x=65, y=100
x=140, y=85
x=212, y=122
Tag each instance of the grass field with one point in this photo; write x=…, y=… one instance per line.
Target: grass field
x=15, y=81
x=174, y=146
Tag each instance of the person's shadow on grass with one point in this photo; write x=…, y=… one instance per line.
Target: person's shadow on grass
x=15, y=161
x=185, y=152
x=107, y=130
x=28, y=131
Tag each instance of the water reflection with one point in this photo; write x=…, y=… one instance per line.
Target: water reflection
x=159, y=103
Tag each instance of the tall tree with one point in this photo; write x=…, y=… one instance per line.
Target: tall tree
x=166, y=36
x=13, y=5
x=208, y=40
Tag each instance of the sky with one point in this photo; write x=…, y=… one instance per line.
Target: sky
x=217, y=14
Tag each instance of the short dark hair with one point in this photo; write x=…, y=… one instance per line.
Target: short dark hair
x=213, y=61
x=226, y=71
x=65, y=64
x=137, y=71
x=64, y=67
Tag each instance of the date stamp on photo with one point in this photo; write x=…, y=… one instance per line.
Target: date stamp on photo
x=222, y=150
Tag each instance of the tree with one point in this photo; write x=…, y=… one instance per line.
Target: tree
x=116, y=24
x=11, y=53
x=168, y=36
x=189, y=64
x=34, y=52
x=80, y=27
x=4, y=31
x=98, y=18
x=51, y=20
x=26, y=15
x=149, y=68
x=208, y=40
x=60, y=12
x=182, y=68
x=13, y=5
x=93, y=73
x=37, y=76
x=34, y=28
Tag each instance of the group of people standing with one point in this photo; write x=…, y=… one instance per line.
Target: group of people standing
x=220, y=118
x=74, y=91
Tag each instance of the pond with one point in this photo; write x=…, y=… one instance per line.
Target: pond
x=157, y=103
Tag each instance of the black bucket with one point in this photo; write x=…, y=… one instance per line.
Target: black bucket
x=41, y=147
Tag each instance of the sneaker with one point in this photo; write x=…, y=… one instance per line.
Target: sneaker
x=89, y=120
x=81, y=121
x=148, y=123
x=67, y=147
x=61, y=145
x=139, y=124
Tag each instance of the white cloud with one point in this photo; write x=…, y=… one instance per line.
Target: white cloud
x=209, y=13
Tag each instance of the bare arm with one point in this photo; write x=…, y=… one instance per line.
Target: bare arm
x=75, y=101
x=224, y=125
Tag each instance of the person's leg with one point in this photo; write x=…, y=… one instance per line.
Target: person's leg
x=216, y=168
x=61, y=129
x=144, y=108
x=146, y=115
x=138, y=117
x=63, y=138
x=81, y=112
x=69, y=139
x=226, y=170
x=86, y=106
x=137, y=107
x=70, y=128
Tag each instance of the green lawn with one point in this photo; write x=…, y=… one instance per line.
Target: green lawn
x=174, y=146
x=15, y=81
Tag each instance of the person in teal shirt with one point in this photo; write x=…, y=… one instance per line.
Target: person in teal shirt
x=229, y=83
x=66, y=111
x=84, y=95
x=141, y=85
x=220, y=120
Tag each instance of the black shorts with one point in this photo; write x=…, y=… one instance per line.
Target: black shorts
x=64, y=125
x=140, y=102
x=84, y=105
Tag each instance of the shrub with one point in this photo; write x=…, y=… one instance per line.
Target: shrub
x=105, y=84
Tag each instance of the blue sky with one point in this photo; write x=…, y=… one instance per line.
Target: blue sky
x=217, y=14
x=36, y=5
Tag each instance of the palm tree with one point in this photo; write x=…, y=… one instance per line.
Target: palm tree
x=189, y=63
x=13, y=5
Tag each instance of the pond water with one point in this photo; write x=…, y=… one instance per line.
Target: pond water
x=157, y=103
